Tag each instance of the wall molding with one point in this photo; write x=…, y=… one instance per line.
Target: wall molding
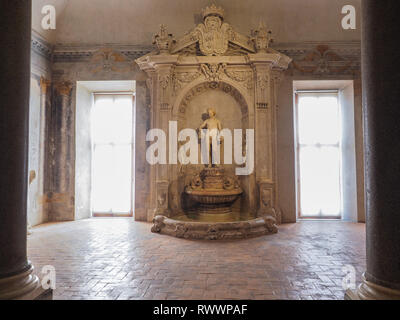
x=41, y=47
x=309, y=58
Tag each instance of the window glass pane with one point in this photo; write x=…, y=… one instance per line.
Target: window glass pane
x=319, y=181
x=121, y=193
x=102, y=178
x=101, y=113
x=121, y=126
x=112, y=124
x=318, y=120
x=319, y=155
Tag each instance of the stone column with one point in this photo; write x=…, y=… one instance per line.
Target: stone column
x=381, y=87
x=63, y=89
x=44, y=90
x=61, y=198
x=16, y=277
x=264, y=134
x=142, y=183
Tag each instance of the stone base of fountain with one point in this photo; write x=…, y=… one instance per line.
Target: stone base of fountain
x=215, y=230
x=212, y=218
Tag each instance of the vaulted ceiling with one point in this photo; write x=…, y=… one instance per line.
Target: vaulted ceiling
x=94, y=22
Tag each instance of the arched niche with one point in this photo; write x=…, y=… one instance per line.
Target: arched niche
x=231, y=107
x=232, y=110
x=202, y=87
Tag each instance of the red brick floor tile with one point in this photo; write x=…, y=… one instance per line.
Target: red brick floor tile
x=121, y=259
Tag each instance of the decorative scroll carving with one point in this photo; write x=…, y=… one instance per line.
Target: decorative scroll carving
x=163, y=40
x=213, y=71
x=322, y=61
x=182, y=78
x=196, y=183
x=108, y=60
x=230, y=183
x=241, y=76
x=164, y=82
x=262, y=91
x=203, y=87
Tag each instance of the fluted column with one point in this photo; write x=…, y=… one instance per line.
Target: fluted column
x=381, y=88
x=16, y=277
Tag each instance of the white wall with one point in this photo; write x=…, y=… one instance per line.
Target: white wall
x=135, y=21
x=35, y=171
x=349, y=181
x=286, y=152
x=37, y=17
x=83, y=154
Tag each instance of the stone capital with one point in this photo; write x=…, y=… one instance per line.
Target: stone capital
x=269, y=60
x=157, y=62
x=44, y=85
x=64, y=88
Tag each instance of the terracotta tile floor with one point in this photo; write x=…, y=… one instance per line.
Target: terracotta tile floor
x=120, y=259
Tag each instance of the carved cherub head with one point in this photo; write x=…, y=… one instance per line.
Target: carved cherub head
x=211, y=112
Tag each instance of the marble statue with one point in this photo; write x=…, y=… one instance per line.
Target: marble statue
x=212, y=127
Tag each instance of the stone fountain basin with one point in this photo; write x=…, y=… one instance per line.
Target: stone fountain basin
x=215, y=230
x=214, y=196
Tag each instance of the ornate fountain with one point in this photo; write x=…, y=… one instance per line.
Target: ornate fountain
x=208, y=63
x=213, y=192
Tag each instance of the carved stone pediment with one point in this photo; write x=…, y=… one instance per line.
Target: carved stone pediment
x=213, y=37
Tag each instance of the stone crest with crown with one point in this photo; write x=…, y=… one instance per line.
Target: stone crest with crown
x=214, y=36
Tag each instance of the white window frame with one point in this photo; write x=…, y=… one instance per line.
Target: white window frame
x=318, y=145
x=132, y=144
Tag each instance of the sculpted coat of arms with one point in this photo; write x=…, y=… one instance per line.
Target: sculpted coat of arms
x=214, y=34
